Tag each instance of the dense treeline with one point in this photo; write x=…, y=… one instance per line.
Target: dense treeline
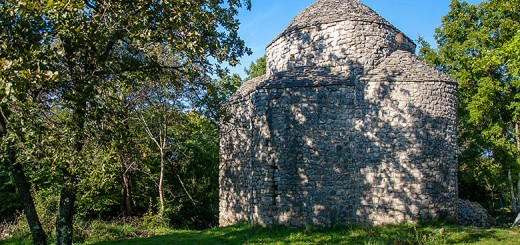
x=479, y=46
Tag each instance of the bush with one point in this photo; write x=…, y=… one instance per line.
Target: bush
x=15, y=229
x=10, y=203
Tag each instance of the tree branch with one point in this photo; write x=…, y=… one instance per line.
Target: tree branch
x=149, y=132
x=118, y=35
x=138, y=68
x=185, y=190
x=3, y=121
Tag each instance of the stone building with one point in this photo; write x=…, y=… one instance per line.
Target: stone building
x=347, y=125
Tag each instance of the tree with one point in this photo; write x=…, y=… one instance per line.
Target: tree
x=74, y=48
x=256, y=68
x=24, y=80
x=478, y=46
x=217, y=91
x=10, y=145
x=9, y=200
x=159, y=112
x=193, y=174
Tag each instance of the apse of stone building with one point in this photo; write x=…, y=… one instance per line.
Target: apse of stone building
x=347, y=126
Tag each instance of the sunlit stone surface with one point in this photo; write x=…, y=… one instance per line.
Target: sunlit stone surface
x=347, y=126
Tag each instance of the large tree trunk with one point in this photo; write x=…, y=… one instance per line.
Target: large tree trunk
x=65, y=219
x=64, y=222
x=24, y=189
x=126, y=191
x=23, y=186
x=517, y=221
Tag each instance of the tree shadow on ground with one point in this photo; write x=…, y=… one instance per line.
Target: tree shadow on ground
x=353, y=234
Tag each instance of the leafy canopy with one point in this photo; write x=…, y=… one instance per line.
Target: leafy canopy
x=479, y=46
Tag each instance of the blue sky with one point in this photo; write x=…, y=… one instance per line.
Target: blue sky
x=268, y=18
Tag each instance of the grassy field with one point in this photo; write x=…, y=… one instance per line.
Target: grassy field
x=248, y=234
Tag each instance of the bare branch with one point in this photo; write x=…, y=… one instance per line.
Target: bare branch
x=185, y=190
x=149, y=132
x=3, y=121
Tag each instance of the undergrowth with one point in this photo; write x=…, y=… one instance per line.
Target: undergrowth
x=118, y=232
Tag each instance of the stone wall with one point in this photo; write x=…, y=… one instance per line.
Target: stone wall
x=346, y=126
x=306, y=146
x=235, y=177
x=336, y=45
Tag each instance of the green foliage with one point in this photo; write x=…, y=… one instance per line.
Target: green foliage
x=97, y=231
x=118, y=233
x=218, y=91
x=9, y=200
x=478, y=46
x=17, y=232
x=87, y=86
x=256, y=68
x=46, y=202
x=100, y=192
x=195, y=175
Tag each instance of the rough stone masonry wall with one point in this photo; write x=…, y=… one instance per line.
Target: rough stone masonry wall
x=235, y=178
x=346, y=126
x=347, y=47
x=331, y=153
x=411, y=127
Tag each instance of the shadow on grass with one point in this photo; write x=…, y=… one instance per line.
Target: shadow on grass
x=436, y=233
x=248, y=234
x=474, y=235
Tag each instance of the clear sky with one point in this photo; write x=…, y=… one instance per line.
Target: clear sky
x=268, y=18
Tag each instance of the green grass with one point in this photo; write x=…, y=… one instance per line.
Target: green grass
x=249, y=234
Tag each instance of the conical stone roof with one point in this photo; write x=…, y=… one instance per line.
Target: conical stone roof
x=330, y=11
x=402, y=66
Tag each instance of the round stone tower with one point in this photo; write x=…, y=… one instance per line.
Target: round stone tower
x=346, y=36
x=347, y=125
